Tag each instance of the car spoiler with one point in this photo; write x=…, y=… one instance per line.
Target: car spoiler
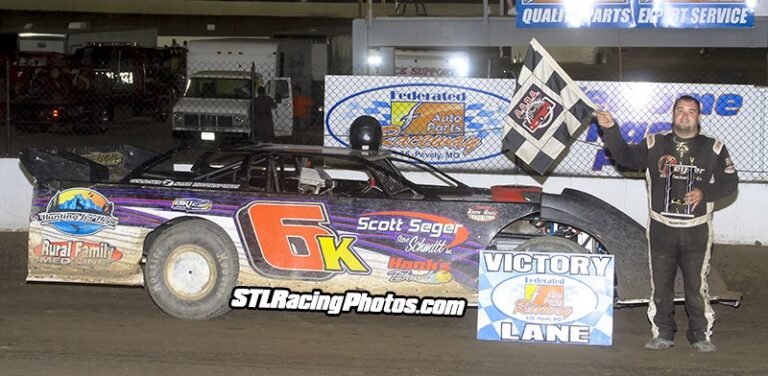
x=91, y=164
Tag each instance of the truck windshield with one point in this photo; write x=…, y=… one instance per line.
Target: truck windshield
x=227, y=88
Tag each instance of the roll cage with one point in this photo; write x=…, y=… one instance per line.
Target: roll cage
x=266, y=166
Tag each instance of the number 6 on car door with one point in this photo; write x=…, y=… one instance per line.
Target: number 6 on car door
x=294, y=240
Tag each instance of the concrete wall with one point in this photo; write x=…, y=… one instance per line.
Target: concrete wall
x=15, y=196
x=738, y=223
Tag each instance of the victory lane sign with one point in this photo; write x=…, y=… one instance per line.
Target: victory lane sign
x=546, y=298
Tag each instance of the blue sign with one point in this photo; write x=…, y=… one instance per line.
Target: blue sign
x=635, y=13
x=574, y=14
x=545, y=297
x=694, y=14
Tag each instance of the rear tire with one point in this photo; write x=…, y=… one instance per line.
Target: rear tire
x=191, y=270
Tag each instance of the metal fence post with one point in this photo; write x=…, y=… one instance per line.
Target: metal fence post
x=8, y=106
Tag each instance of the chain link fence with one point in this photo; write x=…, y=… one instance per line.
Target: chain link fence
x=150, y=98
x=459, y=123
x=156, y=99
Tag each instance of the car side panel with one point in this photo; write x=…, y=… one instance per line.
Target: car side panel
x=302, y=242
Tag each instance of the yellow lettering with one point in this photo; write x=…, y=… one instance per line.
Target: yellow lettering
x=336, y=254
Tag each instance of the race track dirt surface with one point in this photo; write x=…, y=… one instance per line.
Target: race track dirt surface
x=55, y=329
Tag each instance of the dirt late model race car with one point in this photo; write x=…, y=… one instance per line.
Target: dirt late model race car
x=192, y=224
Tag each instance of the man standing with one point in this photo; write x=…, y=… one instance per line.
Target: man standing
x=264, y=127
x=302, y=106
x=680, y=225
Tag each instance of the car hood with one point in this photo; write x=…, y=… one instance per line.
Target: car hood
x=212, y=106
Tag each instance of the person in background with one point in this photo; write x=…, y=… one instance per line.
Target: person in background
x=302, y=107
x=264, y=127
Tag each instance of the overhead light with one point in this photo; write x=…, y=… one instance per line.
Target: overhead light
x=460, y=65
x=210, y=27
x=579, y=12
x=374, y=60
x=638, y=93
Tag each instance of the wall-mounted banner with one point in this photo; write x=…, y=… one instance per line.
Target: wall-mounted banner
x=575, y=13
x=695, y=13
x=636, y=13
x=443, y=121
x=544, y=297
x=470, y=137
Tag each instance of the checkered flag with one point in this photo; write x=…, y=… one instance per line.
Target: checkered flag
x=548, y=109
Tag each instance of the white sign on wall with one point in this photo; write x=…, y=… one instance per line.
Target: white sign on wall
x=457, y=123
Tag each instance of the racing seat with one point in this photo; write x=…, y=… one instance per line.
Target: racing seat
x=314, y=180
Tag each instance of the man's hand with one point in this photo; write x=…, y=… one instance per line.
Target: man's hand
x=694, y=198
x=604, y=119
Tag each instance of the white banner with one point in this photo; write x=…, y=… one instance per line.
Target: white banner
x=545, y=297
x=457, y=123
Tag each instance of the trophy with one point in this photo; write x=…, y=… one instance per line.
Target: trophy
x=680, y=180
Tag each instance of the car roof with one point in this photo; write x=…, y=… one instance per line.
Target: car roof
x=224, y=74
x=321, y=151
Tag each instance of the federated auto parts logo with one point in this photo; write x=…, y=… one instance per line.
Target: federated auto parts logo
x=78, y=211
x=544, y=298
x=76, y=252
x=440, y=123
x=429, y=124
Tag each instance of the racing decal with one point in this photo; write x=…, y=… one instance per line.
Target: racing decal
x=295, y=240
x=76, y=252
x=191, y=205
x=78, y=211
x=665, y=162
x=109, y=159
x=482, y=213
x=536, y=111
x=429, y=124
x=184, y=184
x=417, y=232
x=428, y=271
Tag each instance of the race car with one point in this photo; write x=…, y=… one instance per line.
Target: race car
x=192, y=224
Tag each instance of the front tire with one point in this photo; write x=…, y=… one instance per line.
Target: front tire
x=191, y=270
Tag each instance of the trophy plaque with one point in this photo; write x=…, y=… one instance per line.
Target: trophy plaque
x=680, y=179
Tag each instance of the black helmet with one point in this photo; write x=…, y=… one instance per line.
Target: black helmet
x=365, y=133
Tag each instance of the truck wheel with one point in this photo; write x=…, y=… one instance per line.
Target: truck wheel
x=550, y=244
x=191, y=270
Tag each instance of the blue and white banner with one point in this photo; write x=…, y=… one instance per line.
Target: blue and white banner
x=445, y=121
x=574, y=13
x=635, y=13
x=459, y=123
x=539, y=297
x=695, y=13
